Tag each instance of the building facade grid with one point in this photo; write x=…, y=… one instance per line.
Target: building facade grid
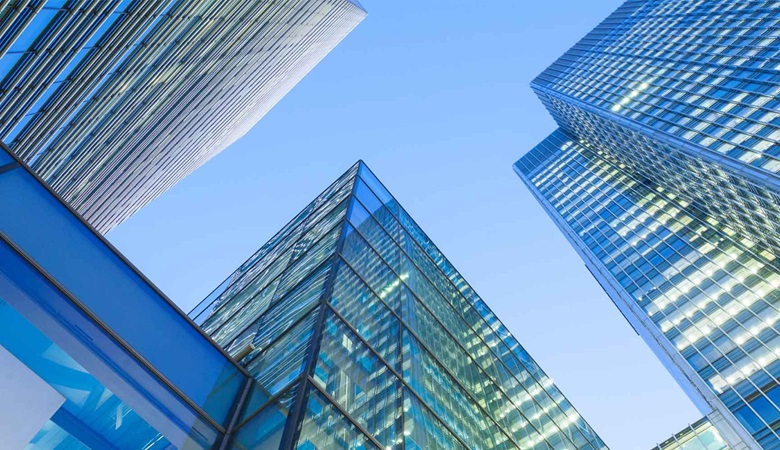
x=664, y=177
x=385, y=331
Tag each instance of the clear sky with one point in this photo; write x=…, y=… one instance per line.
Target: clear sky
x=434, y=96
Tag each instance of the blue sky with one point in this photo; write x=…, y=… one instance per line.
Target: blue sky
x=434, y=96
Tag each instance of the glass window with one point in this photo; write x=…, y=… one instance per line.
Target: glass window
x=325, y=428
x=264, y=431
x=359, y=382
x=282, y=361
x=90, y=411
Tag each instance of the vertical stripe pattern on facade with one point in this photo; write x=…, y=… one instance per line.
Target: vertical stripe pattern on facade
x=112, y=103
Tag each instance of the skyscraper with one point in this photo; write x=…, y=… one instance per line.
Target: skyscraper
x=361, y=334
x=663, y=175
x=92, y=355
x=112, y=102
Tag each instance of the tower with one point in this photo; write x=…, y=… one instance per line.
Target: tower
x=113, y=102
x=663, y=176
x=359, y=332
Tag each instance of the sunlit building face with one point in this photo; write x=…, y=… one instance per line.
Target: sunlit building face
x=664, y=176
x=113, y=102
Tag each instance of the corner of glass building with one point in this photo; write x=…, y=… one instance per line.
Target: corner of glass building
x=391, y=342
x=112, y=103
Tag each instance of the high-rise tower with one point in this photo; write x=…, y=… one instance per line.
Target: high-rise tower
x=664, y=176
x=112, y=102
x=361, y=334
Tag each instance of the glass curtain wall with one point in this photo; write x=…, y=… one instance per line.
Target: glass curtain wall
x=114, y=101
x=712, y=296
x=392, y=348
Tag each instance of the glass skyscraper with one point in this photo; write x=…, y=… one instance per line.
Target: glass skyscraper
x=112, y=102
x=663, y=175
x=359, y=333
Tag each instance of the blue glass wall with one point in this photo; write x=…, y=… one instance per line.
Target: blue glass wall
x=684, y=92
x=134, y=370
x=711, y=296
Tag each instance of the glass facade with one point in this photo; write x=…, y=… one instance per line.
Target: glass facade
x=663, y=175
x=699, y=436
x=702, y=294
x=112, y=102
x=118, y=365
x=688, y=89
x=359, y=333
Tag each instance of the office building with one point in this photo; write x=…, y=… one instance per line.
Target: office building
x=361, y=334
x=663, y=175
x=350, y=329
x=112, y=102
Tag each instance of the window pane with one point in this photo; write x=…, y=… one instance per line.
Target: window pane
x=325, y=428
x=359, y=382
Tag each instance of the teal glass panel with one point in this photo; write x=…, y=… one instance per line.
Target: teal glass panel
x=325, y=428
x=290, y=232
x=282, y=361
x=253, y=297
x=369, y=315
x=448, y=399
x=359, y=382
x=368, y=265
x=378, y=188
x=285, y=313
x=301, y=268
x=376, y=235
x=264, y=431
x=321, y=225
x=422, y=430
x=237, y=329
x=291, y=308
x=259, y=398
x=367, y=197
